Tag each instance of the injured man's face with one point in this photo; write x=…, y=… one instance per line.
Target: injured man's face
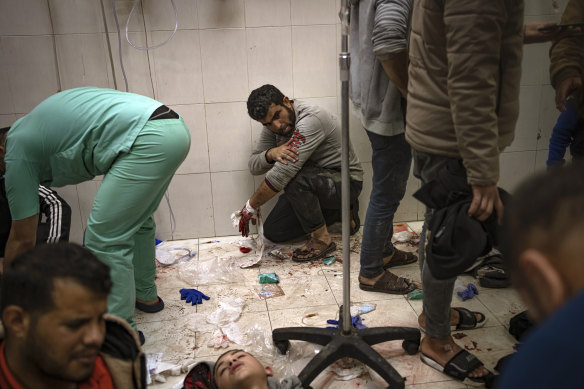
x=238, y=369
x=280, y=119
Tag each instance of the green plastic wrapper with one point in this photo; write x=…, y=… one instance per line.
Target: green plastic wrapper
x=329, y=260
x=268, y=278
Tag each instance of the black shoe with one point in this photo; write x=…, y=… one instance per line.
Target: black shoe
x=159, y=306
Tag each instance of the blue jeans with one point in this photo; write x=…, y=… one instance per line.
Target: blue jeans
x=391, y=161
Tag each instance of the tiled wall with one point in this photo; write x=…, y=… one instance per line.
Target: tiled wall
x=222, y=50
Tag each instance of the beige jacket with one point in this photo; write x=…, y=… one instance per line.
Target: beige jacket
x=464, y=74
x=567, y=55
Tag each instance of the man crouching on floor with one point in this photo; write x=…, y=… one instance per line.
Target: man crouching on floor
x=57, y=332
x=299, y=149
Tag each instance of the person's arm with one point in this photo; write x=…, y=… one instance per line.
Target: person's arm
x=473, y=42
x=22, y=237
x=562, y=135
x=389, y=38
x=567, y=57
x=258, y=162
x=539, y=32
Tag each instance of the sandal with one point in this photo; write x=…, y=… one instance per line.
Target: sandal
x=390, y=283
x=159, y=306
x=467, y=320
x=315, y=249
x=400, y=258
x=459, y=367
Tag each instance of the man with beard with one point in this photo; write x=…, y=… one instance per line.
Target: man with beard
x=299, y=150
x=57, y=332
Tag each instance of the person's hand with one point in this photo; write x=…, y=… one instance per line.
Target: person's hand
x=538, y=32
x=247, y=214
x=485, y=199
x=192, y=296
x=565, y=89
x=283, y=153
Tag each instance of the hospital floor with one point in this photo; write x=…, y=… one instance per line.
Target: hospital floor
x=180, y=334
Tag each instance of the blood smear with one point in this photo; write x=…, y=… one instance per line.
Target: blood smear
x=244, y=249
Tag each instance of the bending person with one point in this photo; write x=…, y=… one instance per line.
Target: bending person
x=75, y=135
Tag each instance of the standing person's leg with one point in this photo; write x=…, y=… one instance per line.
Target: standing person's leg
x=128, y=196
x=438, y=346
x=391, y=161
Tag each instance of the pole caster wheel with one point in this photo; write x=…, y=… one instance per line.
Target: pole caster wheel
x=411, y=346
x=283, y=346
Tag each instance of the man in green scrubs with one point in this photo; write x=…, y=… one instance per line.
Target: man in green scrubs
x=135, y=142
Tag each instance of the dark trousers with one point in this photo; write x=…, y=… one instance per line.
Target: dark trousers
x=311, y=200
x=54, y=218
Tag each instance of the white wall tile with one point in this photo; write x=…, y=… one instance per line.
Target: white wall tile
x=163, y=219
x=259, y=13
x=6, y=101
x=224, y=65
x=192, y=202
x=526, y=129
x=177, y=67
x=69, y=194
x=548, y=116
x=24, y=17
x=135, y=64
x=230, y=192
x=76, y=16
x=123, y=9
x=269, y=57
x=306, y=12
x=197, y=160
x=229, y=136
x=83, y=61
x=540, y=160
x=7, y=120
x=514, y=168
x=314, y=61
x=30, y=79
x=544, y=7
x=533, y=63
x=160, y=14
x=408, y=208
x=220, y=13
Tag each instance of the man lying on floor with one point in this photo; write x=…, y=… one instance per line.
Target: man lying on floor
x=57, y=334
x=236, y=369
x=299, y=150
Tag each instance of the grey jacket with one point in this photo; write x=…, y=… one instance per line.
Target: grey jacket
x=317, y=136
x=379, y=29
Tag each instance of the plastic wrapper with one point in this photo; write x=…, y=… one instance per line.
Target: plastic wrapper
x=254, y=259
x=216, y=270
x=173, y=255
x=267, y=291
x=268, y=278
x=229, y=311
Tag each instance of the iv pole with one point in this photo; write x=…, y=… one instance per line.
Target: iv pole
x=347, y=341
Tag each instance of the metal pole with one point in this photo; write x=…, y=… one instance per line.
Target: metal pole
x=344, y=64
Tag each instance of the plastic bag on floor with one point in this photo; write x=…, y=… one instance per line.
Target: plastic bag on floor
x=216, y=270
x=229, y=311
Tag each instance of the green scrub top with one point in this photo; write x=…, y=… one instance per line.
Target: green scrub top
x=69, y=138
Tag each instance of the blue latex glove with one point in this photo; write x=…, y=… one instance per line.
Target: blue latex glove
x=356, y=321
x=192, y=296
x=468, y=293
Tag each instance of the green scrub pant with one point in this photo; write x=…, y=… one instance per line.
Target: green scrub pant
x=120, y=230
